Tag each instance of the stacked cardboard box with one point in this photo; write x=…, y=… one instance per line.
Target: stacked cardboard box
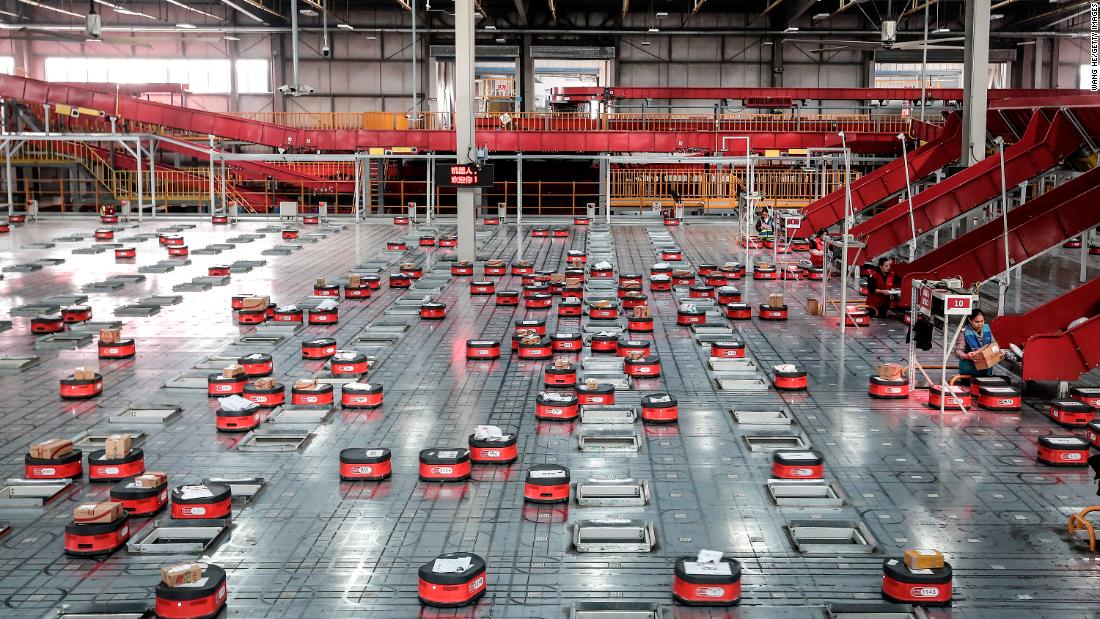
x=117, y=446
x=52, y=449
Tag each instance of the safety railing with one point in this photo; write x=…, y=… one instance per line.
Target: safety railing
x=584, y=121
x=778, y=187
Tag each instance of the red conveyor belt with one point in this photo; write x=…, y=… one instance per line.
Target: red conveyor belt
x=1083, y=300
x=1043, y=145
x=1038, y=225
x=885, y=181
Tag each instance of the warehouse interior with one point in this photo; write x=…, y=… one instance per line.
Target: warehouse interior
x=781, y=309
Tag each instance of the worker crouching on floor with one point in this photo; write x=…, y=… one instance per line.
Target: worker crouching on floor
x=975, y=335
x=883, y=286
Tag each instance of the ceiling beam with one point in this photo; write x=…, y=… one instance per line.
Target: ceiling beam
x=239, y=6
x=771, y=6
x=553, y=10
x=521, y=11
x=698, y=5
x=626, y=7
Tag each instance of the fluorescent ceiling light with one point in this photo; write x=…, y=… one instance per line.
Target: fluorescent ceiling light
x=654, y=30
x=191, y=8
x=662, y=13
x=820, y=16
x=186, y=26
x=646, y=43
x=996, y=16
x=766, y=43
x=123, y=11
x=230, y=37
x=791, y=29
x=941, y=30
x=501, y=40
x=345, y=26
x=51, y=8
x=308, y=12
x=1026, y=43
x=490, y=27
x=371, y=37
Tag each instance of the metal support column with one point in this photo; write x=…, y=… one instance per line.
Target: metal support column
x=464, y=121
x=211, y=174
x=356, y=194
x=519, y=191
x=975, y=80
x=152, y=174
x=140, y=188
x=605, y=180
x=7, y=176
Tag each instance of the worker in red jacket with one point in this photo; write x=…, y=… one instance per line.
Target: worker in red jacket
x=882, y=286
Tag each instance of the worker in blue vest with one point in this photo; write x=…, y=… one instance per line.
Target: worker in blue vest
x=974, y=335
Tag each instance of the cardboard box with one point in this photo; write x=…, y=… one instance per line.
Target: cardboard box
x=110, y=336
x=117, y=446
x=51, y=449
x=355, y=281
x=320, y=282
x=922, y=559
x=181, y=573
x=642, y=311
x=494, y=263
x=151, y=479
x=813, y=307
x=84, y=373
x=101, y=513
x=557, y=278
x=530, y=339
x=561, y=363
x=254, y=303
x=602, y=303
x=264, y=383
x=890, y=371
x=988, y=356
x=775, y=300
x=635, y=355
x=233, y=371
x=572, y=281
x=305, y=383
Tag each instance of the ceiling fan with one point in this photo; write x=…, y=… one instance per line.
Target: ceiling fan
x=888, y=35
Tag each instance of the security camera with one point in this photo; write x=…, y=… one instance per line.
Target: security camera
x=326, y=52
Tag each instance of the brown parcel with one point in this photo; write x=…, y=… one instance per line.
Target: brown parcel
x=775, y=300
x=233, y=371
x=181, y=573
x=51, y=449
x=83, y=373
x=918, y=559
x=264, y=383
x=988, y=356
x=813, y=307
x=117, y=446
x=641, y=311
x=110, y=336
x=305, y=383
x=151, y=479
x=320, y=282
x=890, y=371
x=355, y=281
x=254, y=303
x=92, y=513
